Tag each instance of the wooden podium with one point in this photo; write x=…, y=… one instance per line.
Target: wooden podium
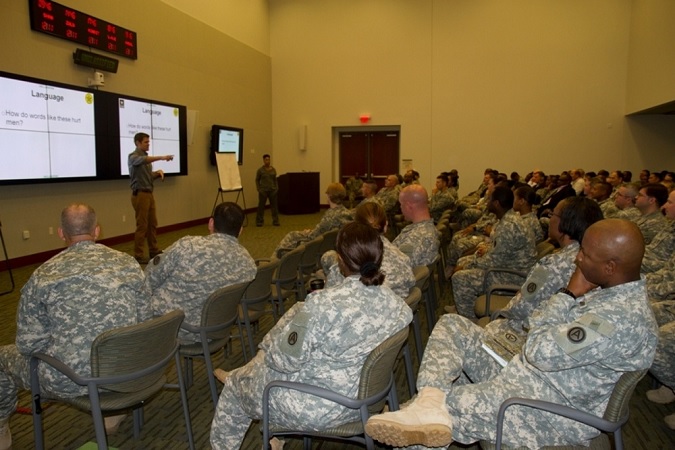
x=299, y=192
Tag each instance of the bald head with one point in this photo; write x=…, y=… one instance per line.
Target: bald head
x=611, y=253
x=414, y=203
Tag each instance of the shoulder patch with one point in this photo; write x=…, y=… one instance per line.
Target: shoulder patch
x=295, y=334
x=576, y=335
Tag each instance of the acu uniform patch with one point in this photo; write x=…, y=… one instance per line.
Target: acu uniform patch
x=587, y=331
x=295, y=336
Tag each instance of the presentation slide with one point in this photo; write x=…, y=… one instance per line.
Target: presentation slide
x=46, y=131
x=228, y=141
x=161, y=122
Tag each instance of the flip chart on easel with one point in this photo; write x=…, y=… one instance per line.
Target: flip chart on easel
x=228, y=172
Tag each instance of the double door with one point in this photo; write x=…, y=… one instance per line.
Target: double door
x=370, y=154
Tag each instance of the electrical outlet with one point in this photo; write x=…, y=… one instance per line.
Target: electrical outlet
x=51, y=230
x=26, y=234
x=124, y=218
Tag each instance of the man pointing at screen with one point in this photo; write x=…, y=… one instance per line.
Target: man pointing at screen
x=142, y=177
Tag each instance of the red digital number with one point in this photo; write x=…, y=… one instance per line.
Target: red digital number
x=47, y=26
x=92, y=40
x=91, y=21
x=112, y=47
x=44, y=4
x=70, y=14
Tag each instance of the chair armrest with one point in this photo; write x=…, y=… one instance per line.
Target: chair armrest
x=85, y=381
x=333, y=396
x=561, y=410
x=258, y=261
x=505, y=270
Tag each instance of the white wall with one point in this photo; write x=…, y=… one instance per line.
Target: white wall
x=181, y=60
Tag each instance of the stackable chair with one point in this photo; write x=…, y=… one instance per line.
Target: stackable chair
x=219, y=313
x=257, y=301
x=286, y=280
x=128, y=366
x=615, y=416
x=376, y=386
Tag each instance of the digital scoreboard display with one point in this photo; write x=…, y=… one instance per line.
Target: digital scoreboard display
x=57, y=20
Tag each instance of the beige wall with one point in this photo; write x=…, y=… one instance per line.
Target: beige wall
x=180, y=60
x=472, y=83
x=651, y=69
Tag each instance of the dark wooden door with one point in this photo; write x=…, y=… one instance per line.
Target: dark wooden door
x=371, y=154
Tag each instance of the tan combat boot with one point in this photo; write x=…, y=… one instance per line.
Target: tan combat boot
x=424, y=421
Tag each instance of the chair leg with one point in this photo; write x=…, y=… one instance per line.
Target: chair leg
x=409, y=372
x=99, y=427
x=188, y=372
x=184, y=400
x=307, y=443
x=430, y=310
x=209, y=373
x=251, y=346
x=138, y=421
x=418, y=336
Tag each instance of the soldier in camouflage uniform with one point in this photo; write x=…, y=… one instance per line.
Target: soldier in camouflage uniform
x=78, y=294
x=569, y=221
x=580, y=342
x=368, y=192
x=663, y=368
x=523, y=199
x=600, y=192
x=441, y=199
x=323, y=341
x=512, y=247
x=649, y=201
x=194, y=267
x=353, y=187
x=662, y=247
x=419, y=240
x=336, y=216
x=396, y=265
x=388, y=195
x=625, y=202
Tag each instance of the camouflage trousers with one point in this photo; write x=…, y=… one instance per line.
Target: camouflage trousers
x=241, y=402
x=663, y=367
x=460, y=244
x=469, y=216
x=292, y=240
x=14, y=375
x=469, y=284
x=475, y=386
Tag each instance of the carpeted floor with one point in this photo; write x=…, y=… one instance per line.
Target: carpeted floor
x=68, y=428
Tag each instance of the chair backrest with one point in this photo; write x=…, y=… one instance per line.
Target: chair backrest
x=414, y=297
x=222, y=309
x=421, y=276
x=130, y=349
x=617, y=406
x=287, y=271
x=544, y=248
x=260, y=289
x=311, y=255
x=379, y=367
x=329, y=238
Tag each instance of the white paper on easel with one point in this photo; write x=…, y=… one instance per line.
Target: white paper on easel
x=228, y=171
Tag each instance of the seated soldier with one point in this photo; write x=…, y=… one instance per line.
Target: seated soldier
x=419, y=240
x=662, y=247
x=388, y=195
x=600, y=192
x=336, y=216
x=555, y=365
x=193, y=267
x=395, y=264
x=512, y=246
x=323, y=341
x=649, y=201
x=441, y=198
x=523, y=199
x=368, y=193
x=69, y=300
x=663, y=368
x=624, y=200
